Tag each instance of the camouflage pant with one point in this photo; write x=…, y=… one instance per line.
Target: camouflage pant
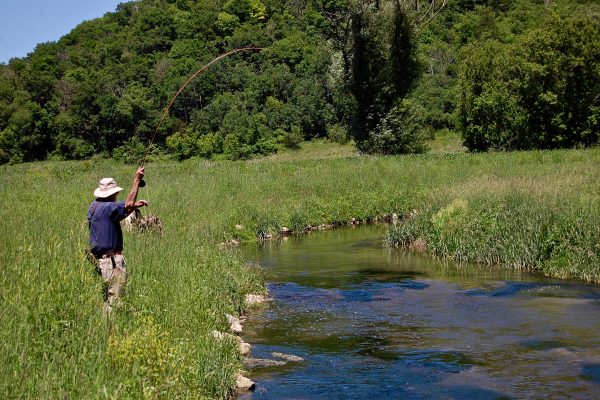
x=114, y=275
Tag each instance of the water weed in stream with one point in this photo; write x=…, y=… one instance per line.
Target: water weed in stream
x=522, y=206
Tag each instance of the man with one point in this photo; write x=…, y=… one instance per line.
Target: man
x=106, y=237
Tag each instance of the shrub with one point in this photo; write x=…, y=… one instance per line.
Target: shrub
x=132, y=152
x=400, y=132
x=293, y=138
x=149, y=352
x=337, y=133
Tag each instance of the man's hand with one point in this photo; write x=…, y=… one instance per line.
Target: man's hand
x=139, y=174
x=141, y=203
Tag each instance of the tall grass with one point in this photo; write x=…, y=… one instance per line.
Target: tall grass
x=55, y=342
x=540, y=212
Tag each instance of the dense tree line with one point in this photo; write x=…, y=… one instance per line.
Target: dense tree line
x=540, y=92
x=386, y=73
x=102, y=87
x=513, y=75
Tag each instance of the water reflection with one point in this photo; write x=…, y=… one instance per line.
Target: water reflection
x=372, y=322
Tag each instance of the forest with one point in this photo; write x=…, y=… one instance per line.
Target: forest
x=387, y=75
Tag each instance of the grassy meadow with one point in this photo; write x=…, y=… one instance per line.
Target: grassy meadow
x=529, y=209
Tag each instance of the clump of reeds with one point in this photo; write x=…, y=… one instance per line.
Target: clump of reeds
x=560, y=239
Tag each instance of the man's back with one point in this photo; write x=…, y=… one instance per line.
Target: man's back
x=105, y=230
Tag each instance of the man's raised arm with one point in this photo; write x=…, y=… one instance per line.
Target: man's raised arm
x=131, y=204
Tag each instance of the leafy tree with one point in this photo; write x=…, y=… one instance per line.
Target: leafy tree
x=378, y=59
x=400, y=131
x=539, y=92
x=25, y=137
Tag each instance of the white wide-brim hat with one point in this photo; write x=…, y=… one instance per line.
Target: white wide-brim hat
x=107, y=188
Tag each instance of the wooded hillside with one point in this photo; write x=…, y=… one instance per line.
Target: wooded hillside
x=509, y=75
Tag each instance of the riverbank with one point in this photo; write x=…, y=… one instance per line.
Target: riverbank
x=556, y=235
x=182, y=284
x=549, y=223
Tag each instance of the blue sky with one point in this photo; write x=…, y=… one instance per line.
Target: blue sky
x=25, y=23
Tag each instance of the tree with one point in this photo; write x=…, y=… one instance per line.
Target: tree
x=25, y=137
x=540, y=92
x=376, y=41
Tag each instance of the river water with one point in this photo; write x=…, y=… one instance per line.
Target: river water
x=377, y=323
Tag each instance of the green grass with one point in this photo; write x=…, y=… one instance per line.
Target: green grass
x=56, y=343
x=446, y=141
x=315, y=149
x=542, y=212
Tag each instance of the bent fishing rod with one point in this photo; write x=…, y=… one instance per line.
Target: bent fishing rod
x=168, y=107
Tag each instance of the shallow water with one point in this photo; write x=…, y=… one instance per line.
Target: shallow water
x=377, y=323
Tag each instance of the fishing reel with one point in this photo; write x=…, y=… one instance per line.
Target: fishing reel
x=142, y=183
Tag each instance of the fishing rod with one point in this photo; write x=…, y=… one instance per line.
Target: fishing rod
x=168, y=107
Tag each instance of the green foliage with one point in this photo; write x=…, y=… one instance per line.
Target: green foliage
x=293, y=138
x=487, y=66
x=102, y=88
x=517, y=231
x=227, y=23
x=338, y=134
x=104, y=85
x=383, y=68
x=403, y=234
x=244, y=9
x=25, y=136
x=258, y=10
x=187, y=143
x=148, y=353
x=132, y=152
x=400, y=132
x=448, y=219
x=493, y=219
x=538, y=92
x=491, y=44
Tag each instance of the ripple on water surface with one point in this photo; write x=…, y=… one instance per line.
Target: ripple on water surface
x=375, y=323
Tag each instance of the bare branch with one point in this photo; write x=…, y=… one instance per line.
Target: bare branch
x=418, y=29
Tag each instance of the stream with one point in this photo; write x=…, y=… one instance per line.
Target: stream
x=376, y=323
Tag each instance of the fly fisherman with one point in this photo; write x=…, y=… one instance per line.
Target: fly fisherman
x=106, y=237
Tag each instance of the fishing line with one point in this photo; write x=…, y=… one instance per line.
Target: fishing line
x=168, y=107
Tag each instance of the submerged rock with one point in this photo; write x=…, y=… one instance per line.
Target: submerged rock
x=244, y=383
x=262, y=363
x=287, y=357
